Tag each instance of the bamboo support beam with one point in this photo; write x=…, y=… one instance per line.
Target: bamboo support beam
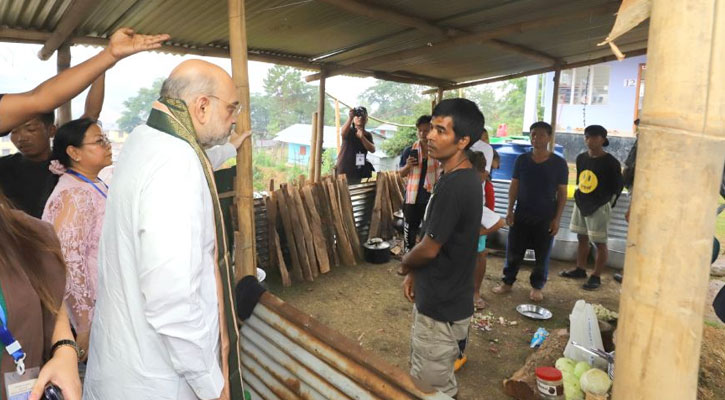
x=554, y=106
x=73, y=16
x=337, y=124
x=320, y=131
x=669, y=246
x=465, y=39
x=312, y=157
x=65, y=113
x=439, y=95
x=245, y=260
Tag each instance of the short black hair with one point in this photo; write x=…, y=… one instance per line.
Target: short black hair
x=543, y=125
x=477, y=159
x=467, y=118
x=71, y=133
x=47, y=119
x=597, y=130
x=423, y=119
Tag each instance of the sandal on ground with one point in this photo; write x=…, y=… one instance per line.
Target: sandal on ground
x=576, y=273
x=458, y=364
x=593, y=283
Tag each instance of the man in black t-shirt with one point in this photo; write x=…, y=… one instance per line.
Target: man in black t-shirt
x=439, y=270
x=356, y=143
x=538, y=189
x=599, y=184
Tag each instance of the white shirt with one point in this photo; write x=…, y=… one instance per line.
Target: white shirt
x=155, y=332
x=487, y=151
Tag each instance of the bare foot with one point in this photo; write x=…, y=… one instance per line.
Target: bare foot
x=536, y=295
x=502, y=289
x=479, y=303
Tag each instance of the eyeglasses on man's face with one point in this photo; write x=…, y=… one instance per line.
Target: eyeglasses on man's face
x=231, y=108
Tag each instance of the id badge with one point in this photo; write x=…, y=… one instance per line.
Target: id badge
x=18, y=387
x=359, y=159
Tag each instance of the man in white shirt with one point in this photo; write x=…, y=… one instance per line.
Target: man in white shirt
x=159, y=330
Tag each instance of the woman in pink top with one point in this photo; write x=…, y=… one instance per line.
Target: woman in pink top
x=76, y=208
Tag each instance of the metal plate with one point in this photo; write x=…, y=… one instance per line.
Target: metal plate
x=533, y=311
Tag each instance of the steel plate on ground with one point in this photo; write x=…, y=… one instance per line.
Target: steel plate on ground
x=533, y=311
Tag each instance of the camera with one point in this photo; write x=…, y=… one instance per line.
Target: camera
x=359, y=112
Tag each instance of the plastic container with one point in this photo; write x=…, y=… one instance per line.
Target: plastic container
x=549, y=383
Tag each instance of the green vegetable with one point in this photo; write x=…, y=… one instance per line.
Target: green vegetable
x=580, y=368
x=595, y=381
x=572, y=391
x=565, y=364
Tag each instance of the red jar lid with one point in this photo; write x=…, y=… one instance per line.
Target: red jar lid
x=550, y=374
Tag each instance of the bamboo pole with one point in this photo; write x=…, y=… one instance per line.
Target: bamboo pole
x=245, y=259
x=554, y=107
x=337, y=124
x=439, y=95
x=311, y=158
x=65, y=113
x=320, y=130
x=671, y=227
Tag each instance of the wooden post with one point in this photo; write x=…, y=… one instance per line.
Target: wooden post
x=245, y=260
x=554, y=107
x=671, y=228
x=312, y=157
x=439, y=95
x=337, y=124
x=63, y=62
x=320, y=130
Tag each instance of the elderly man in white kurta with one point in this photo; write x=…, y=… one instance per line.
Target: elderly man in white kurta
x=159, y=330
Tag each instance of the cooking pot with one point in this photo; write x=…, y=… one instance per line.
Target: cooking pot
x=398, y=221
x=377, y=251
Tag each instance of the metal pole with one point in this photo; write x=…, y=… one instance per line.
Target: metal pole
x=554, y=107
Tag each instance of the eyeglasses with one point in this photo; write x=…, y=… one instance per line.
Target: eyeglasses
x=102, y=141
x=235, y=110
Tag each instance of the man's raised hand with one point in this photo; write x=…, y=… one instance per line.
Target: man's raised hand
x=125, y=42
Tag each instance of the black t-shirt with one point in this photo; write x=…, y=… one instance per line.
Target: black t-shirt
x=598, y=181
x=444, y=287
x=347, y=159
x=538, y=185
x=423, y=195
x=27, y=184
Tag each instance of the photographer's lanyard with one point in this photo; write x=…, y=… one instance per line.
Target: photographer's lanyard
x=12, y=346
x=84, y=179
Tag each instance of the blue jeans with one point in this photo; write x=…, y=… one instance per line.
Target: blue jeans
x=528, y=235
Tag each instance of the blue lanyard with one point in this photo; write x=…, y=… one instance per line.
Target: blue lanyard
x=84, y=179
x=11, y=345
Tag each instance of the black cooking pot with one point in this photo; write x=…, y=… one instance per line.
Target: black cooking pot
x=377, y=251
x=399, y=221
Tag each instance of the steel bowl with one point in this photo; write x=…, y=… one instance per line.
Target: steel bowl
x=533, y=311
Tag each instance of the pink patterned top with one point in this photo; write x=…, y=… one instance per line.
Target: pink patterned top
x=76, y=210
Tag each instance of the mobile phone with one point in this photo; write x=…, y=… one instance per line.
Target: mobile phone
x=52, y=392
x=414, y=154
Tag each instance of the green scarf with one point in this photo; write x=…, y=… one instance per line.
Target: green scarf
x=179, y=125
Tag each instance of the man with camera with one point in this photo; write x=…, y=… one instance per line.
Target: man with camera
x=356, y=143
x=421, y=174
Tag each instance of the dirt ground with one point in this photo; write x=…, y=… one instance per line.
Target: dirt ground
x=366, y=303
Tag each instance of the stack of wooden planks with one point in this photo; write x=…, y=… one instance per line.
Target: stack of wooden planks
x=388, y=199
x=316, y=222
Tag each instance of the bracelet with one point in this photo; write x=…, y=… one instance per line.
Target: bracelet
x=65, y=342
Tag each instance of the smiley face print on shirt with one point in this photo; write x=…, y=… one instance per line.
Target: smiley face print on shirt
x=587, y=181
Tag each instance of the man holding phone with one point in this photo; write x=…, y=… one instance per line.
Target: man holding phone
x=422, y=174
x=356, y=144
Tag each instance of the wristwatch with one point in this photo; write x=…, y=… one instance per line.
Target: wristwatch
x=65, y=342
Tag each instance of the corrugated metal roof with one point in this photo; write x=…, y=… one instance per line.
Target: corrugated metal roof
x=314, y=33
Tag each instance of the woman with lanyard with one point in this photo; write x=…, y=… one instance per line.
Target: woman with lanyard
x=76, y=209
x=34, y=328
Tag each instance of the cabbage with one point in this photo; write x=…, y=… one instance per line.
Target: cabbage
x=580, y=368
x=595, y=381
x=572, y=391
x=565, y=364
x=569, y=376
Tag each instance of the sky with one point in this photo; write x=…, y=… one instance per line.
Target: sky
x=21, y=70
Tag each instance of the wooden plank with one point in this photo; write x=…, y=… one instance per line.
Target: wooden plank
x=320, y=244
x=328, y=229
x=344, y=247
x=374, y=230
x=275, y=250
x=284, y=212
x=303, y=234
x=396, y=195
x=348, y=217
x=386, y=214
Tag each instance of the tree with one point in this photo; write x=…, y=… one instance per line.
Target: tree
x=396, y=102
x=501, y=104
x=290, y=99
x=138, y=107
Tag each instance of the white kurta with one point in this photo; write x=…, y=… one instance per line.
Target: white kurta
x=155, y=332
